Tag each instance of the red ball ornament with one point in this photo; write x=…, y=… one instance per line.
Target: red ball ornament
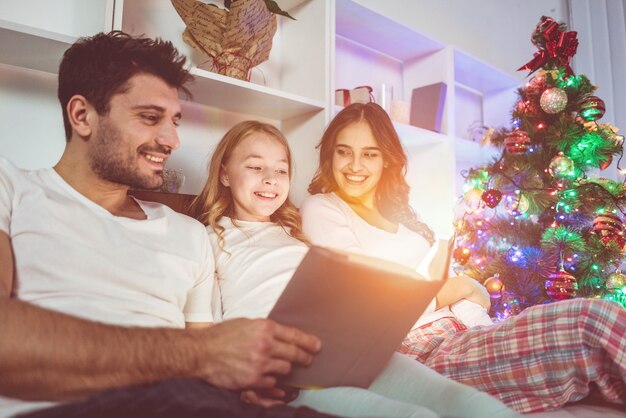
x=606, y=163
x=592, y=108
x=609, y=226
x=618, y=239
x=536, y=85
x=517, y=142
x=561, y=285
x=492, y=197
x=461, y=255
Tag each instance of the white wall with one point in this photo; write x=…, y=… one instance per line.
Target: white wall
x=31, y=125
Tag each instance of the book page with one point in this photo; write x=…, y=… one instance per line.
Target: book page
x=436, y=264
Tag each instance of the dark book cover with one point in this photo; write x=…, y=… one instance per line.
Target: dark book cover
x=427, y=106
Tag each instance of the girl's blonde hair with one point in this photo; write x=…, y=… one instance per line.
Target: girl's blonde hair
x=216, y=201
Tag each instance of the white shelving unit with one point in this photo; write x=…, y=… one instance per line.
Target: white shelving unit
x=372, y=49
x=34, y=34
x=332, y=44
x=30, y=47
x=233, y=95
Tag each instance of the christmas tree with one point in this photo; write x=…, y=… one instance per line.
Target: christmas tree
x=537, y=227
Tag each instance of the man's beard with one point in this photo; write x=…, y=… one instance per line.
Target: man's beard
x=114, y=162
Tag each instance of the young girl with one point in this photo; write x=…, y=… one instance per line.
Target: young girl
x=538, y=360
x=258, y=244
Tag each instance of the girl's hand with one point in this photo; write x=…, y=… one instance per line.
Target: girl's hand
x=462, y=287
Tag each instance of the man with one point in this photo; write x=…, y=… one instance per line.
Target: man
x=104, y=300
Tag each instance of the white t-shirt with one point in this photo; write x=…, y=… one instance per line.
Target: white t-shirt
x=258, y=262
x=328, y=221
x=75, y=257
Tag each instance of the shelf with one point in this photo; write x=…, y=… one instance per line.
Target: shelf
x=41, y=50
x=240, y=96
x=30, y=47
x=413, y=136
x=368, y=28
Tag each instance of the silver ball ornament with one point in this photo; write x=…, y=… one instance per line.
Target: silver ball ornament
x=516, y=203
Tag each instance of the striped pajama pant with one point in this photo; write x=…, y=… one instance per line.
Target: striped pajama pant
x=538, y=360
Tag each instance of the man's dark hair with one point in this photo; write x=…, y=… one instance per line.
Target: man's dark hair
x=99, y=67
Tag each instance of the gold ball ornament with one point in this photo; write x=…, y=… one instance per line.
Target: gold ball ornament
x=561, y=166
x=473, y=197
x=616, y=280
x=553, y=100
x=494, y=286
x=487, y=137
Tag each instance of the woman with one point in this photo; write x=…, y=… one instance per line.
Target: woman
x=539, y=360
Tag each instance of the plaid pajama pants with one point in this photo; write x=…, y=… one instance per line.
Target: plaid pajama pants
x=539, y=360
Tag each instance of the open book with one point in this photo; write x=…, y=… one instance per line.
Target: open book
x=360, y=307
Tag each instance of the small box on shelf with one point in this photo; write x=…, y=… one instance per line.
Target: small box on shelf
x=361, y=94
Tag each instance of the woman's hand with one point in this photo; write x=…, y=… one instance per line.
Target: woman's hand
x=478, y=293
x=463, y=287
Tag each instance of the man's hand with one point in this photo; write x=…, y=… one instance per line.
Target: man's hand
x=265, y=398
x=244, y=353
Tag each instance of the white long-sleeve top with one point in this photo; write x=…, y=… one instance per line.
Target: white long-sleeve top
x=328, y=221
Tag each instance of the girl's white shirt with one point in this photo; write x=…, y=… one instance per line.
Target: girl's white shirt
x=254, y=267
